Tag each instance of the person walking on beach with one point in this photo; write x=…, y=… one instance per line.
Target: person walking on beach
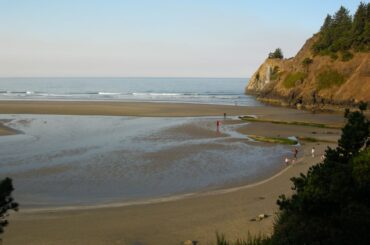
x=218, y=123
x=313, y=151
x=295, y=153
x=224, y=115
x=286, y=161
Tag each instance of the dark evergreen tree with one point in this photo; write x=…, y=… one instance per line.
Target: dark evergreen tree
x=325, y=39
x=277, y=54
x=366, y=34
x=6, y=202
x=340, y=33
x=341, y=30
x=358, y=26
x=355, y=133
x=327, y=23
x=331, y=204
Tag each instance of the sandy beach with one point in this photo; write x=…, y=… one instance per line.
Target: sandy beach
x=172, y=220
x=158, y=109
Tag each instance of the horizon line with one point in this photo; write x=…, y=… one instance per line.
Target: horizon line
x=121, y=77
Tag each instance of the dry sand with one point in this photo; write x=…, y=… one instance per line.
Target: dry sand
x=175, y=219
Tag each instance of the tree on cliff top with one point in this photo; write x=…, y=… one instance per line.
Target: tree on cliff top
x=277, y=54
x=6, y=202
x=341, y=33
x=361, y=21
x=341, y=30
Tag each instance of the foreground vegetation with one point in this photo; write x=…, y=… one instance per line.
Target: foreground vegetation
x=251, y=240
x=6, y=202
x=331, y=203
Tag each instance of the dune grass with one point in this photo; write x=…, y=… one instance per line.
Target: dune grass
x=251, y=240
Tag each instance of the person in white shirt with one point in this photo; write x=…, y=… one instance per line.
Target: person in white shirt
x=313, y=151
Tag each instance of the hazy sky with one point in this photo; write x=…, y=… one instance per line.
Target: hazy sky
x=192, y=38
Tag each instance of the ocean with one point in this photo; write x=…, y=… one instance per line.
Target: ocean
x=224, y=91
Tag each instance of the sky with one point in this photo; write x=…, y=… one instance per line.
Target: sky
x=153, y=38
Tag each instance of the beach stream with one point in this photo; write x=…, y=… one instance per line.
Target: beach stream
x=88, y=160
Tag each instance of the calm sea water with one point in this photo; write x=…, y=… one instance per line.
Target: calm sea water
x=227, y=91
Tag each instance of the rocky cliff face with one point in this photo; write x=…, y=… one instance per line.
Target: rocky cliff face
x=313, y=82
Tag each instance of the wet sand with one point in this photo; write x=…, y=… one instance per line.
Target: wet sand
x=5, y=130
x=91, y=160
x=158, y=109
x=164, y=222
x=178, y=218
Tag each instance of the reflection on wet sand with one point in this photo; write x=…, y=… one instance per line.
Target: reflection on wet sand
x=71, y=160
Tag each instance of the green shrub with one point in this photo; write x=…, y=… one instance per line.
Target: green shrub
x=346, y=55
x=292, y=78
x=329, y=78
x=274, y=73
x=307, y=61
x=333, y=56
